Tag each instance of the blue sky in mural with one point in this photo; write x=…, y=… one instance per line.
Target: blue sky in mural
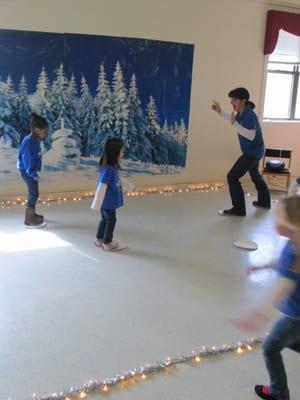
x=163, y=69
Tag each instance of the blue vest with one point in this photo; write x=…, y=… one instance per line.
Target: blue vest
x=255, y=148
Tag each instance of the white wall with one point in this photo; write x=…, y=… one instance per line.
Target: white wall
x=228, y=35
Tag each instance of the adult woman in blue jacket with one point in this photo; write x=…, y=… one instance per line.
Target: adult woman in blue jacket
x=250, y=136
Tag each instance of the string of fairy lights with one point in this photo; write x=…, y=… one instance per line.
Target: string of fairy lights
x=166, y=190
x=137, y=375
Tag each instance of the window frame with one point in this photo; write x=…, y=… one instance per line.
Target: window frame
x=295, y=87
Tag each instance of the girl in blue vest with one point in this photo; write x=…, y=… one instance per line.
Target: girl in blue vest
x=244, y=119
x=109, y=195
x=285, y=332
x=29, y=165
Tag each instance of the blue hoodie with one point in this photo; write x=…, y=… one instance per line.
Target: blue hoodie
x=30, y=156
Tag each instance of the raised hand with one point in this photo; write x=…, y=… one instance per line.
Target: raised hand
x=216, y=107
x=250, y=323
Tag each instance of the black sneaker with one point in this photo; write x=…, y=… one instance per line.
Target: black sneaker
x=257, y=205
x=232, y=212
x=263, y=392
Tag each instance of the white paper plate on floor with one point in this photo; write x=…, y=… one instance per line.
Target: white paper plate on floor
x=246, y=244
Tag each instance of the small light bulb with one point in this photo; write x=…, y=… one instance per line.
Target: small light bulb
x=239, y=350
x=249, y=347
x=82, y=395
x=105, y=388
x=143, y=376
x=197, y=359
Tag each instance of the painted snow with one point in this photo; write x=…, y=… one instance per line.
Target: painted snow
x=134, y=89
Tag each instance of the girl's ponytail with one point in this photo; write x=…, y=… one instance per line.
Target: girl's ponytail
x=250, y=104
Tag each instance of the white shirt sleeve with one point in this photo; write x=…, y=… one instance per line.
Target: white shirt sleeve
x=225, y=115
x=99, y=196
x=247, y=133
x=127, y=185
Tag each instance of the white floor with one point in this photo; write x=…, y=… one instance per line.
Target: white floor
x=70, y=312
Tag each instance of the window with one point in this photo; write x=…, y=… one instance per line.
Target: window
x=282, y=96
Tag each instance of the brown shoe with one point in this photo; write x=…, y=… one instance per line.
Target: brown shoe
x=31, y=221
x=38, y=216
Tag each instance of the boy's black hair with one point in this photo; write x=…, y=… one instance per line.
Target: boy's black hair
x=241, y=94
x=37, y=122
x=111, y=153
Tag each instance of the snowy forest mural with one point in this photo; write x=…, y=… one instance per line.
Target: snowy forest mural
x=90, y=88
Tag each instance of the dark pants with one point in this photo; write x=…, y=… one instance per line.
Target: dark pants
x=243, y=165
x=32, y=189
x=284, y=334
x=107, y=225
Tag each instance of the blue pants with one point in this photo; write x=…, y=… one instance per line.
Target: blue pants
x=107, y=225
x=32, y=189
x=284, y=334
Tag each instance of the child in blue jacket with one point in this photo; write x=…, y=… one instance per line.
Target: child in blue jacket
x=285, y=296
x=29, y=165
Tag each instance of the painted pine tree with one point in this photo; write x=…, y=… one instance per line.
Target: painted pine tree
x=11, y=97
x=7, y=131
x=159, y=153
x=23, y=109
x=42, y=97
x=138, y=146
x=120, y=105
x=182, y=132
x=72, y=107
x=165, y=130
x=89, y=140
x=59, y=99
x=176, y=146
x=176, y=129
x=42, y=94
x=42, y=103
x=104, y=109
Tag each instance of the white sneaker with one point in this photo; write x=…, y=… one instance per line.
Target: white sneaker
x=100, y=242
x=113, y=246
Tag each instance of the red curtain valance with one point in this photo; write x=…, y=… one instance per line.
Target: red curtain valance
x=277, y=20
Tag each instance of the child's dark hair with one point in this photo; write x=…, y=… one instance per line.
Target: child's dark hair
x=111, y=153
x=242, y=94
x=37, y=122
